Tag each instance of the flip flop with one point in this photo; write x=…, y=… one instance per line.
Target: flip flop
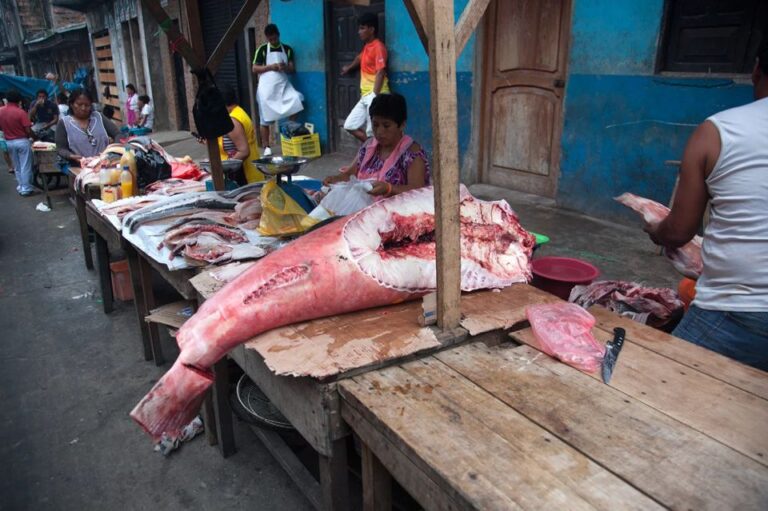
x=11, y=171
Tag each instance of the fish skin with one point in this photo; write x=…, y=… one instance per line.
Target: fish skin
x=315, y=276
x=173, y=207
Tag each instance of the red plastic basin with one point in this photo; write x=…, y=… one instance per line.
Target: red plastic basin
x=558, y=275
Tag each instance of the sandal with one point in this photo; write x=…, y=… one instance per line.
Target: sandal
x=11, y=171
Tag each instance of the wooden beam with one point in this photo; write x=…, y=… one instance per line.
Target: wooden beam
x=234, y=30
x=418, y=12
x=172, y=31
x=471, y=16
x=442, y=78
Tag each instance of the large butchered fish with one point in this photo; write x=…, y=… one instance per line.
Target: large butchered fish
x=381, y=255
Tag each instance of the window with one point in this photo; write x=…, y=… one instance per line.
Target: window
x=712, y=36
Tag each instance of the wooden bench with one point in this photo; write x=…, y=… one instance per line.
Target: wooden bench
x=507, y=427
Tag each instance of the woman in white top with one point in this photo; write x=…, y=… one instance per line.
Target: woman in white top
x=726, y=163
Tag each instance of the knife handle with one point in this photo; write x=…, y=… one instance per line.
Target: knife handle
x=618, y=337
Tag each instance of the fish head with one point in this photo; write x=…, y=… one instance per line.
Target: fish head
x=393, y=242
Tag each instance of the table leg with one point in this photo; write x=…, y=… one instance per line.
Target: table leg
x=148, y=295
x=80, y=210
x=209, y=418
x=334, y=477
x=377, y=483
x=102, y=257
x=138, y=298
x=222, y=411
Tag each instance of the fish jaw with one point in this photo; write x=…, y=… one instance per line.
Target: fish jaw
x=393, y=242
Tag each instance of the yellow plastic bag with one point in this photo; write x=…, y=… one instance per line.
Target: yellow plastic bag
x=280, y=215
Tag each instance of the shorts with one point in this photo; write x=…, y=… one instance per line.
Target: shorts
x=359, y=117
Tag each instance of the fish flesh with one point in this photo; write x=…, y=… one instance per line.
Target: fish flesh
x=686, y=259
x=564, y=330
x=654, y=306
x=176, y=205
x=383, y=254
x=188, y=234
x=174, y=186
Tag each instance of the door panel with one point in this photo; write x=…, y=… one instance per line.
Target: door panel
x=526, y=53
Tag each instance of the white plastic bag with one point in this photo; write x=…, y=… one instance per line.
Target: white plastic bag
x=347, y=197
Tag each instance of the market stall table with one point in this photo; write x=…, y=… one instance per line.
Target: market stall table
x=506, y=427
x=326, y=351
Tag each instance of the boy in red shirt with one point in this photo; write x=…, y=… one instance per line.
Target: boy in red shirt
x=17, y=128
x=373, y=76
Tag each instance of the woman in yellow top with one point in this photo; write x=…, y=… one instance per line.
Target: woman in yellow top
x=240, y=143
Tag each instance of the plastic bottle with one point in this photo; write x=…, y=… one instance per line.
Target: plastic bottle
x=129, y=158
x=104, y=176
x=114, y=176
x=126, y=183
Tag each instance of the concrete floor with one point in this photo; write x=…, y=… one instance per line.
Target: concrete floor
x=71, y=373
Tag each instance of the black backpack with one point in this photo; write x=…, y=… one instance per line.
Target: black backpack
x=211, y=116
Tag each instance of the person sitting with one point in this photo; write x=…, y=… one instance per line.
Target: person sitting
x=240, y=143
x=83, y=133
x=62, y=102
x=391, y=159
x=726, y=162
x=44, y=113
x=146, y=114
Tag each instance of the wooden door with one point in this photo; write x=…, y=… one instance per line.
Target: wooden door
x=108, y=95
x=525, y=70
x=345, y=45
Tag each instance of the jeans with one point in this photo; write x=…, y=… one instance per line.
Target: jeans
x=21, y=155
x=742, y=336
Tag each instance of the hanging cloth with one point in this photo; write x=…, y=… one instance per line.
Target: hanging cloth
x=277, y=97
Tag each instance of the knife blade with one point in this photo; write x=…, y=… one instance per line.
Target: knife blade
x=612, y=349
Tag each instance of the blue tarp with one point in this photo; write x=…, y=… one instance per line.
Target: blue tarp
x=28, y=87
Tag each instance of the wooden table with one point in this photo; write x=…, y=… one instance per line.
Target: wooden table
x=507, y=427
x=313, y=406
x=80, y=198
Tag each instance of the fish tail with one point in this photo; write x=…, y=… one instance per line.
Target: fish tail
x=173, y=402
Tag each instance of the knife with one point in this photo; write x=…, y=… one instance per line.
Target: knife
x=612, y=349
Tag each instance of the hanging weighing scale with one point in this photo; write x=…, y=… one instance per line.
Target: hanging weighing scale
x=281, y=168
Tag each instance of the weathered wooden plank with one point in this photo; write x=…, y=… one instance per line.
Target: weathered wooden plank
x=103, y=54
x=233, y=32
x=377, y=483
x=107, y=77
x=468, y=21
x=676, y=465
x=720, y=410
x=442, y=77
x=106, y=65
x=102, y=41
x=701, y=359
x=476, y=463
x=417, y=9
x=483, y=311
x=181, y=44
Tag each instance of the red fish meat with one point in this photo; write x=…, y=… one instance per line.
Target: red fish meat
x=381, y=255
x=686, y=259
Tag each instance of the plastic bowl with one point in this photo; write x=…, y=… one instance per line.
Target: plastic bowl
x=558, y=275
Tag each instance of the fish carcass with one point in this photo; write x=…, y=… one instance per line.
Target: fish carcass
x=686, y=259
x=381, y=255
x=177, y=205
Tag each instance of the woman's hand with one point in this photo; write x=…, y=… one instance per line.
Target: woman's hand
x=337, y=178
x=381, y=188
x=651, y=230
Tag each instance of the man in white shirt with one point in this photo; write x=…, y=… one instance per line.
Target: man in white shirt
x=726, y=163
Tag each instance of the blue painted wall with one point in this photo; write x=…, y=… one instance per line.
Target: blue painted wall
x=301, y=24
x=622, y=121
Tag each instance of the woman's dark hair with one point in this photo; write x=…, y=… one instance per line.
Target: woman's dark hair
x=130, y=86
x=144, y=99
x=77, y=93
x=108, y=111
x=61, y=97
x=13, y=96
x=390, y=106
x=369, y=19
x=762, y=56
x=271, y=29
x=228, y=94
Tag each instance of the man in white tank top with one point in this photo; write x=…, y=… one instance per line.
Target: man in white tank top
x=726, y=162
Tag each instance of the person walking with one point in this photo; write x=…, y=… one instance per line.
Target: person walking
x=17, y=128
x=372, y=62
x=276, y=96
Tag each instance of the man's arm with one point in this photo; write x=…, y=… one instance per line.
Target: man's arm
x=699, y=158
x=379, y=82
x=33, y=111
x=53, y=121
x=353, y=65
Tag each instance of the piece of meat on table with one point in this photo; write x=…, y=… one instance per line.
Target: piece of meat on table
x=686, y=259
x=564, y=331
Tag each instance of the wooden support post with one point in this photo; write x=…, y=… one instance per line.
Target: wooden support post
x=172, y=31
x=377, y=483
x=417, y=9
x=105, y=281
x=334, y=477
x=466, y=25
x=138, y=297
x=442, y=74
x=234, y=30
x=224, y=431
